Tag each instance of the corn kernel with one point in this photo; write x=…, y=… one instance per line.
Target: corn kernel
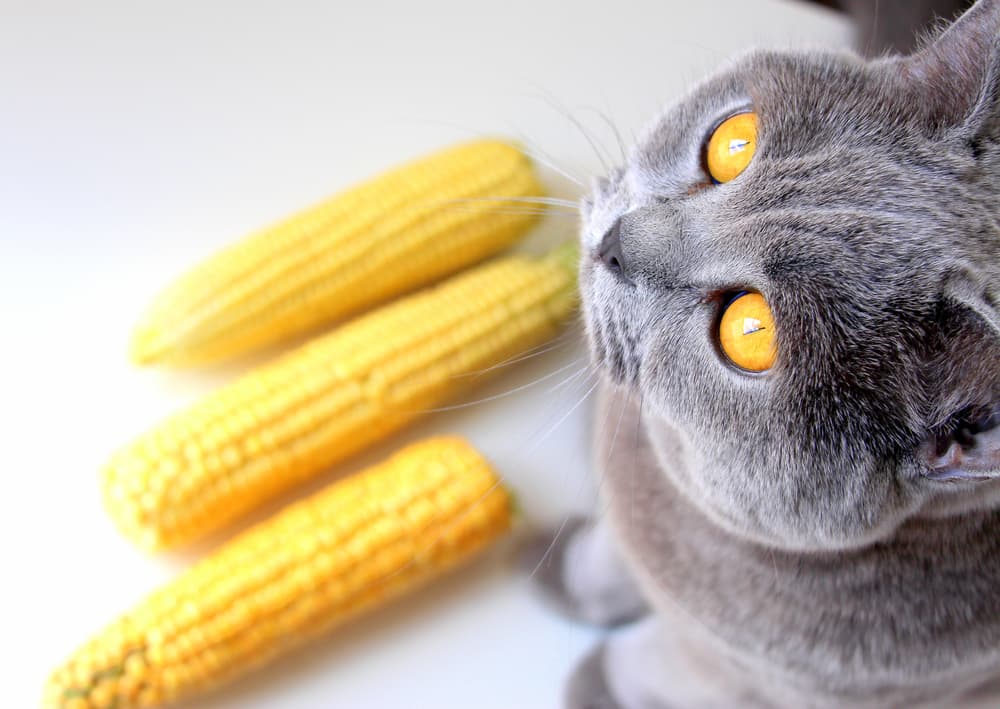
x=279, y=583
x=340, y=393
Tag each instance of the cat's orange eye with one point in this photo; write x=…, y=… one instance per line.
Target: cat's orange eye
x=731, y=146
x=746, y=333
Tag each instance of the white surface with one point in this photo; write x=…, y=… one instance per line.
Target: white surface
x=136, y=138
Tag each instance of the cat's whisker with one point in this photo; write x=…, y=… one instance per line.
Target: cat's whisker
x=561, y=341
x=575, y=381
x=552, y=545
x=470, y=508
x=505, y=204
x=575, y=375
x=515, y=210
x=874, y=31
x=635, y=462
x=502, y=204
x=548, y=201
x=611, y=447
x=563, y=418
x=599, y=466
x=500, y=477
x=554, y=201
x=502, y=394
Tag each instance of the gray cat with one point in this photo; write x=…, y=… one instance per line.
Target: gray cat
x=825, y=533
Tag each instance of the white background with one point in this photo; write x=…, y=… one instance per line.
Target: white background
x=138, y=137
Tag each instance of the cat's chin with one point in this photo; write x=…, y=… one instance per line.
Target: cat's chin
x=678, y=458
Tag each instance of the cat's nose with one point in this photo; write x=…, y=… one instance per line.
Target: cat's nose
x=609, y=252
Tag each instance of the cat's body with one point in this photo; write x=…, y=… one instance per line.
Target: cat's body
x=912, y=621
x=827, y=533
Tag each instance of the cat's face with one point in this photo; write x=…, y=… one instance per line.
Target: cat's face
x=863, y=199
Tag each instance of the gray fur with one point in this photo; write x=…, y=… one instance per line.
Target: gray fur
x=579, y=569
x=827, y=533
x=588, y=688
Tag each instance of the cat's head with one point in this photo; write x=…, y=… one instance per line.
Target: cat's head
x=868, y=218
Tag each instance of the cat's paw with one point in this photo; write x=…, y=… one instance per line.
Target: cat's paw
x=578, y=572
x=542, y=557
x=640, y=666
x=587, y=687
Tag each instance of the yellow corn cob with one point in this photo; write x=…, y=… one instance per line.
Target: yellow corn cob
x=397, y=232
x=319, y=562
x=288, y=420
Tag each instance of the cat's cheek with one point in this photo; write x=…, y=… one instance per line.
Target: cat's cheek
x=681, y=372
x=595, y=306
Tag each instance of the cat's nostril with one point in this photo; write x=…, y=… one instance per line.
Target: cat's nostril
x=609, y=252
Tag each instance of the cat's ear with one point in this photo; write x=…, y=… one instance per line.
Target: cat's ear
x=955, y=79
x=966, y=444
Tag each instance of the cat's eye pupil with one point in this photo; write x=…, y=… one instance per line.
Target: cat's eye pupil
x=746, y=332
x=731, y=147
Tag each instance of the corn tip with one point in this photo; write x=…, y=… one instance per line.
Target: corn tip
x=144, y=345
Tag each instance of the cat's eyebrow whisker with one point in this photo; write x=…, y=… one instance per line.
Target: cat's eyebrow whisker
x=536, y=153
x=614, y=129
x=603, y=156
x=502, y=394
x=538, y=157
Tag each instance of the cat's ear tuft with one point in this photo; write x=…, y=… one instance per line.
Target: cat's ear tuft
x=965, y=444
x=955, y=78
